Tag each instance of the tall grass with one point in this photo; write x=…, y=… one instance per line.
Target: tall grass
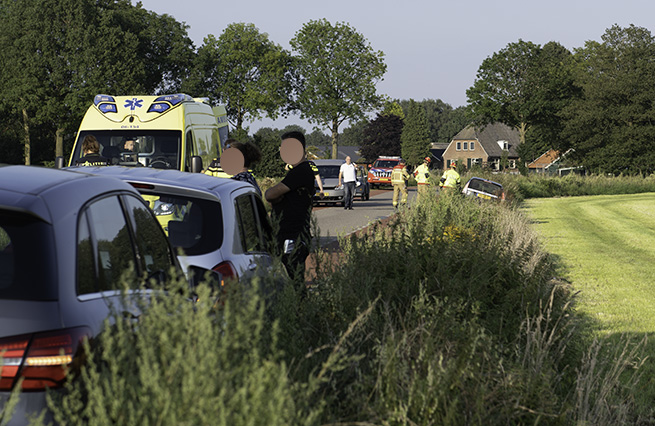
x=448, y=315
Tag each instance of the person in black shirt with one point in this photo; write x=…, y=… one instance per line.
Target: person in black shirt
x=91, y=151
x=291, y=200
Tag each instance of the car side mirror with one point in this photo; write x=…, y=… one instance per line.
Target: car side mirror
x=59, y=162
x=196, y=164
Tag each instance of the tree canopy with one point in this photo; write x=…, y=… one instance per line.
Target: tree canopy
x=244, y=70
x=382, y=137
x=337, y=73
x=610, y=126
x=415, y=137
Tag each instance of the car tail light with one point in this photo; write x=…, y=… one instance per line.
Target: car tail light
x=41, y=359
x=227, y=271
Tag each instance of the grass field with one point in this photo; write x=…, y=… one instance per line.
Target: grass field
x=606, y=245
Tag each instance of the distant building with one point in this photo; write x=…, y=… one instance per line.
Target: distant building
x=548, y=162
x=486, y=146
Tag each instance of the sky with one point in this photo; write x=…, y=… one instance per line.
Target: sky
x=432, y=48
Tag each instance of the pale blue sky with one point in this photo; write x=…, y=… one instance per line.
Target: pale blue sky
x=432, y=48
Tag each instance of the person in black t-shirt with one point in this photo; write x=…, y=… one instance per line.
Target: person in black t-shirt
x=291, y=200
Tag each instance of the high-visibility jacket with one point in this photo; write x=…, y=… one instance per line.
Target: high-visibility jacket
x=422, y=174
x=450, y=179
x=399, y=175
x=215, y=169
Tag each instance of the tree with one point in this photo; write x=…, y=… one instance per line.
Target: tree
x=454, y=122
x=610, y=126
x=554, y=88
x=56, y=55
x=415, y=137
x=354, y=134
x=246, y=71
x=382, y=137
x=271, y=164
x=502, y=89
x=336, y=75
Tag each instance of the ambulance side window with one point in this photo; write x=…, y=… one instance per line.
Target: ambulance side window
x=189, y=151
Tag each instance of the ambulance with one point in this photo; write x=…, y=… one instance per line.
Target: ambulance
x=168, y=132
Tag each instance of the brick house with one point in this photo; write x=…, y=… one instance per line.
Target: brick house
x=485, y=146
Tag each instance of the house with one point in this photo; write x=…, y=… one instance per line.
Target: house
x=487, y=146
x=548, y=162
x=436, y=152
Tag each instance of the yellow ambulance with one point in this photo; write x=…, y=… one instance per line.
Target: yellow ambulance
x=169, y=132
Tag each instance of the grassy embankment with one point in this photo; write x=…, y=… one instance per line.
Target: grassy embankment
x=448, y=315
x=605, y=247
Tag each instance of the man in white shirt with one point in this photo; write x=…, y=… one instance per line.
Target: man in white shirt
x=348, y=172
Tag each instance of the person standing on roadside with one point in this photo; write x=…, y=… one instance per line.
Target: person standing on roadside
x=237, y=159
x=422, y=176
x=291, y=202
x=348, y=173
x=399, y=177
x=450, y=179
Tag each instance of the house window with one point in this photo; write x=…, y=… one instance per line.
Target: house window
x=466, y=146
x=472, y=146
x=459, y=146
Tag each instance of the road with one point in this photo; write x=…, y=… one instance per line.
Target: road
x=334, y=221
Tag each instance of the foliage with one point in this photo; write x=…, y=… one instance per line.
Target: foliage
x=57, y=55
x=354, y=134
x=381, y=137
x=337, y=74
x=456, y=320
x=415, y=137
x=271, y=165
x=244, y=70
x=444, y=122
x=610, y=126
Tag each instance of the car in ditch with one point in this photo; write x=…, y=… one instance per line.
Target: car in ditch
x=215, y=223
x=333, y=193
x=483, y=189
x=66, y=241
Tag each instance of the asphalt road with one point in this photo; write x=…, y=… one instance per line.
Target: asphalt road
x=333, y=221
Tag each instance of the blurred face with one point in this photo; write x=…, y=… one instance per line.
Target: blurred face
x=347, y=160
x=129, y=145
x=292, y=151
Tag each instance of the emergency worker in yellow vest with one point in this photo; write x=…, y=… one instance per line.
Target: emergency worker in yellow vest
x=422, y=176
x=91, y=153
x=399, y=177
x=450, y=179
x=214, y=168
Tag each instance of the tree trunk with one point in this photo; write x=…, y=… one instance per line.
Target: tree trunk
x=335, y=139
x=59, y=142
x=523, y=129
x=26, y=129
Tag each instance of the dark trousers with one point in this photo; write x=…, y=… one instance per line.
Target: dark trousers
x=348, y=194
x=295, y=256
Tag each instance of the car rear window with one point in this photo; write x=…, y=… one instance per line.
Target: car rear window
x=27, y=258
x=193, y=225
x=486, y=186
x=327, y=172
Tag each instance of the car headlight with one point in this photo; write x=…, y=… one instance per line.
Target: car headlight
x=163, y=209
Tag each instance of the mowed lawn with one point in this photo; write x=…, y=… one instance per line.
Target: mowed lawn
x=606, y=245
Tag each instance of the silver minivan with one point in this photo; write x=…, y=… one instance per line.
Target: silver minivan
x=215, y=223
x=66, y=239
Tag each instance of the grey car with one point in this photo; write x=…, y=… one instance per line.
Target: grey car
x=66, y=238
x=217, y=223
x=333, y=193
